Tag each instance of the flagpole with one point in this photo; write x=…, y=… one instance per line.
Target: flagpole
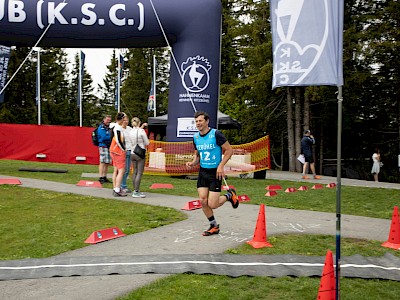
x=38, y=100
x=80, y=89
x=154, y=85
x=338, y=190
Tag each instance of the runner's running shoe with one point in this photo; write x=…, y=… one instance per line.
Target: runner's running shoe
x=212, y=230
x=232, y=198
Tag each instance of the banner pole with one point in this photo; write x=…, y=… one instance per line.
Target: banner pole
x=119, y=83
x=154, y=85
x=80, y=89
x=338, y=190
x=39, y=104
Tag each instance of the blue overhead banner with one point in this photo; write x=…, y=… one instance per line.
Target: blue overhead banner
x=307, y=37
x=192, y=28
x=4, y=59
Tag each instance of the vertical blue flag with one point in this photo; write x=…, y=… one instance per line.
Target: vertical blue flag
x=4, y=59
x=150, y=102
x=152, y=97
x=121, y=61
x=121, y=65
x=307, y=38
x=82, y=66
x=116, y=96
x=38, y=77
x=81, y=75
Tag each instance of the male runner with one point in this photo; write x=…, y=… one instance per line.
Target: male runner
x=210, y=144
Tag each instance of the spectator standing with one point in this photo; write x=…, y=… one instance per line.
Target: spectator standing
x=118, y=155
x=376, y=166
x=128, y=144
x=307, y=143
x=138, y=137
x=103, y=133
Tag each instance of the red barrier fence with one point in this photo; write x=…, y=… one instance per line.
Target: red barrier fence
x=48, y=143
x=73, y=145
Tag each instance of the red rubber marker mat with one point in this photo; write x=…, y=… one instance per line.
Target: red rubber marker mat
x=9, y=181
x=162, y=186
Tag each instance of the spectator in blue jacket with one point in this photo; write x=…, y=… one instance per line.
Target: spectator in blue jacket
x=103, y=133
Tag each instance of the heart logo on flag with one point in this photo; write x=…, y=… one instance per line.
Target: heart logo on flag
x=305, y=42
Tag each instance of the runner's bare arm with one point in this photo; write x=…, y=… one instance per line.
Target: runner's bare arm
x=227, y=151
x=195, y=161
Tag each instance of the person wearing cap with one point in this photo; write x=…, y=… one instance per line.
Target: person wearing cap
x=307, y=143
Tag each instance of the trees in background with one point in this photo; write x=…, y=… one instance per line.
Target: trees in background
x=371, y=107
x=136, y=83
x=19, y=97
x=108, y=90
x=371, y=104
x=91, y=114
x=58, y=90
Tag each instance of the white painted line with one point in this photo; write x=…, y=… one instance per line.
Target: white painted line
x=197, y=263
x=163, y=263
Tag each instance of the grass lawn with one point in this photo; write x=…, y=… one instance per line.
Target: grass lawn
x=36, y=223
x=192, y=286
x=200, y=287
x=359, y=201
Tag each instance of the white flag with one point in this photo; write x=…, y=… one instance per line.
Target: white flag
x=307, y=37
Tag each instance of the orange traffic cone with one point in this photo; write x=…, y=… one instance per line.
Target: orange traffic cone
x=327, y=287
x=260, y=233
x=394, y=234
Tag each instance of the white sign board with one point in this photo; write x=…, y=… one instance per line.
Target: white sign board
x=186, y=127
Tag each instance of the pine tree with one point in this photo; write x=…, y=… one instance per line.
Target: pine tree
x=137, y=83
x=91, y=112
x=249, y=99
x=54, y=86
x=19, y=98
x=108, y=89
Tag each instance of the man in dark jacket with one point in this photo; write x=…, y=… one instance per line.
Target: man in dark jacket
x=103, y=133
x=307, y=143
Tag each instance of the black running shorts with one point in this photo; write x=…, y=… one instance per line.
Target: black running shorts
x=309, y=158
x=208, y=178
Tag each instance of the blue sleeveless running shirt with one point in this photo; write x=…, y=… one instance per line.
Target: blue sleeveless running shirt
x=210, y=153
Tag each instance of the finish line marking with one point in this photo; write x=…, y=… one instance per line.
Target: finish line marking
x=196, y=263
